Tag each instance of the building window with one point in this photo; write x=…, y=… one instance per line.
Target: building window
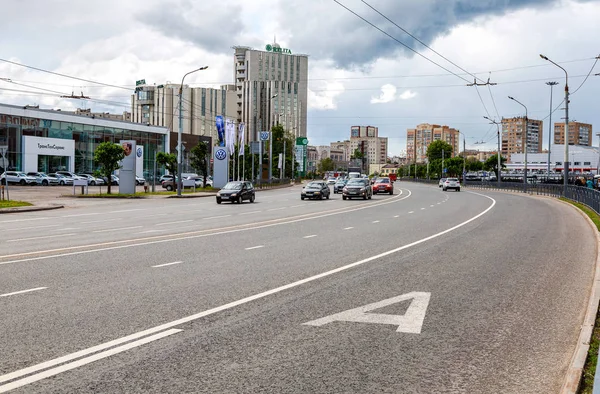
x=587, y=163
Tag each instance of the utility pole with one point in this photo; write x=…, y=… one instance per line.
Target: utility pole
x=464, y=157
x=442, y=164
x=551, y=84
x=499, y=180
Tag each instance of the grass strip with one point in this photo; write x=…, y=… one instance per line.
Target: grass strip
x=14, y=204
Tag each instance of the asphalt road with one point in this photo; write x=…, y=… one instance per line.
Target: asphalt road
x=174, y=296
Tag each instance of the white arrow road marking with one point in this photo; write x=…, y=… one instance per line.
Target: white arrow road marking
x=410, y=322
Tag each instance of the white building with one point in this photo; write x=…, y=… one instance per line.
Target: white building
x=581, y=159
x=271, y=87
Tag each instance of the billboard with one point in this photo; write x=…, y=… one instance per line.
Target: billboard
x=127, y=170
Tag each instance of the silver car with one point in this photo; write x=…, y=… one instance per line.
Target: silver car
x=17, y=177
x=451, y=183
x=43, y=178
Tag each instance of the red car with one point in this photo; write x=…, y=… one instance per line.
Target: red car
x=383, y=185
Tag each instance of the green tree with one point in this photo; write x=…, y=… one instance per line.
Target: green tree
x=434, y=151
x=357, y=154
x=169, y=161
x=107, y=156
x=199, y=160
x=491, y=164
x=454, y=166
x=325, y=165
x=473, y=164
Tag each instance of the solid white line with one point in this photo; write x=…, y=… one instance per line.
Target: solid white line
x=192, y=235
x=32, y=238
x=217, y=217
x=102, y=221
x=36, y=227
x=116, y=229
x=22, y=291
x=167, y=223
x=375, y=221
x=256, y=247
x=348, y=228
x=217, y=309
x=75, y=364
x=310, y=236
x=23, y=220
x=276, y=209
x=81, y=214
x=249, y=213
x=164, y=265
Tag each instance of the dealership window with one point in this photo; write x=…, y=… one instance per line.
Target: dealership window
x=587, y=163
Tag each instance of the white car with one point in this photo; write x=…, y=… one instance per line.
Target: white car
x=43, y=178
x=92, y=180
x=451, y=183
x=441, y=182
x=331, y=181
x=140, y=181
x=17, y=177
x=70, y=174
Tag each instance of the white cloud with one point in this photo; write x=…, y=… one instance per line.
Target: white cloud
x=388, y=94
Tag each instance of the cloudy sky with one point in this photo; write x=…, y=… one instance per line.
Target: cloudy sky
x=358, y=74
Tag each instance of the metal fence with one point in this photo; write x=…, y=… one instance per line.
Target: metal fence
x=271, y=183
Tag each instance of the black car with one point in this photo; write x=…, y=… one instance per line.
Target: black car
x=236, y=192
x=339, y=185
x=357, y=187
x=315, y=189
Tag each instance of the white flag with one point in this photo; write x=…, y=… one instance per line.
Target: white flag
x=230, y=136
x=242, y=129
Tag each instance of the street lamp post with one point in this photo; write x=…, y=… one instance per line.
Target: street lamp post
x=499, y=157
x=271, y=145
x=551, y=84
x=566, y=159
x=179, y=147
x=526, y=140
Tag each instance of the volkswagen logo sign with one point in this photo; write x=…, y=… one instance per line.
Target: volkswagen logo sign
x=264, y=135
x=139, y=152
x=221, y=154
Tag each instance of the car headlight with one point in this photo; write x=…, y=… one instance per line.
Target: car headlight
x=345, y=189
x=317, y=192
x=362, y=189
x=234, y=195
x=218, y=194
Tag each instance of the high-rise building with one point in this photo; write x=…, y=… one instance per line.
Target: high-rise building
x=343, y=146
x=513, y=136
x=366, y=139
x=271, y=87
x=159, y=106
x=419, y=138
x=579, y=133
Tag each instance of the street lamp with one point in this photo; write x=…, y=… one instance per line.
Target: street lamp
x=566, y=161
x=179, y=147
x=551, y=84
x=271, y=144
x=498, y=155
x=526, y=138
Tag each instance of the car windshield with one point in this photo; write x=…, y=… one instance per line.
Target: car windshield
x=384, y=180
x=452, y=180
x=232, y=186
x=314, y=184
x=21, y=174
x=355, y=182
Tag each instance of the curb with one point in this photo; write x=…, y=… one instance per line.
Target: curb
x=573, y=376
x=29, y=209
x=192, y=196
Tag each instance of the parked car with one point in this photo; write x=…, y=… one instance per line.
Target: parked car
x=43, y=179
x=199, y=181
x=62, y=180
x=69, y=174
x=451, y=183
x=17, y=177
x=140, y=181
x=339, y=185
x=383, y=185
x=166, y=177
x=441, y=182
x=114, y=180
x=92, y=180
x=236, y=192
x=315, y=189
x=357, y=187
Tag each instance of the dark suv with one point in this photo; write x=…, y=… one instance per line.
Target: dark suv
x=357, y=187
x=236, y=192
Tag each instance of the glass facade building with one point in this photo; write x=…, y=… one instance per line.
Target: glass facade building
x=37, y=135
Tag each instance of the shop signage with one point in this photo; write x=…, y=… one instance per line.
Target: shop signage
x=271, y=48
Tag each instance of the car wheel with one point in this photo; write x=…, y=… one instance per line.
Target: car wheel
x=327, y=196
x=252, y=198
x=444, y=189
x=62, y=183
x=44, y=183
x=239, y=199
x=370, y=197
x=22, y=182
x=218, y=200
x=374, y=192
x=343, y=197
x=365, y=197
x=302, y=197
x=93, y=183
x=4, y=181
x=458, y=189
x=169, y=188
x=391, y=192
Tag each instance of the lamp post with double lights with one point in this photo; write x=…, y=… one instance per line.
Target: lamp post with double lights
x=566, y=159
x=526, y=140
x=499, y=175
x=179, y=145
x=551, y=84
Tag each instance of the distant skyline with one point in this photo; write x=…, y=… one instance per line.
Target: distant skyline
x=357, y=74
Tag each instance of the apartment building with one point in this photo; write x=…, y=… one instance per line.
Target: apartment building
x=513, y=136
x=419, y=139
x=366, y=139
x=579, y=133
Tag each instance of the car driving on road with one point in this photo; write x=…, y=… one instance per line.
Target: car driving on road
x=441, y=182
x=315, y=189
x=383, y=185
x=339, y=185
x=357, y=187
x=236, y=192
x=451, y=183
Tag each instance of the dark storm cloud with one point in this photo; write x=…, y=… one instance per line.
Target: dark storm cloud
x=351, y=42
x=209, y=25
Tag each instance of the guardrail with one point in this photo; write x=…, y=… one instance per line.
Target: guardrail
x=271, y=183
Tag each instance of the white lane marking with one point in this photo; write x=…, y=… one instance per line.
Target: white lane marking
x=65, y=229
x=129, y=210
x=151, y=231
x=102, y=221
x=422, y=209
x=168, y=223
x=230, y=305
x=192, y=235
x=158, y=214
x=411, y=212
x=23, y=220
x=74, y=364
x=297, y=206
x=411, y=322
x=375, y=221
x=32, y=238
x=397, y=216
x=256, y=247
x=276, y=209
x=348, y=228
x=217, y=217
x=438, y=203
x=116, y=229
x=310, y=236
x=431, y=206
x=22, y=291
x=167, y=264
x=82, y=214
x=250, y=213
x=35, y=227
